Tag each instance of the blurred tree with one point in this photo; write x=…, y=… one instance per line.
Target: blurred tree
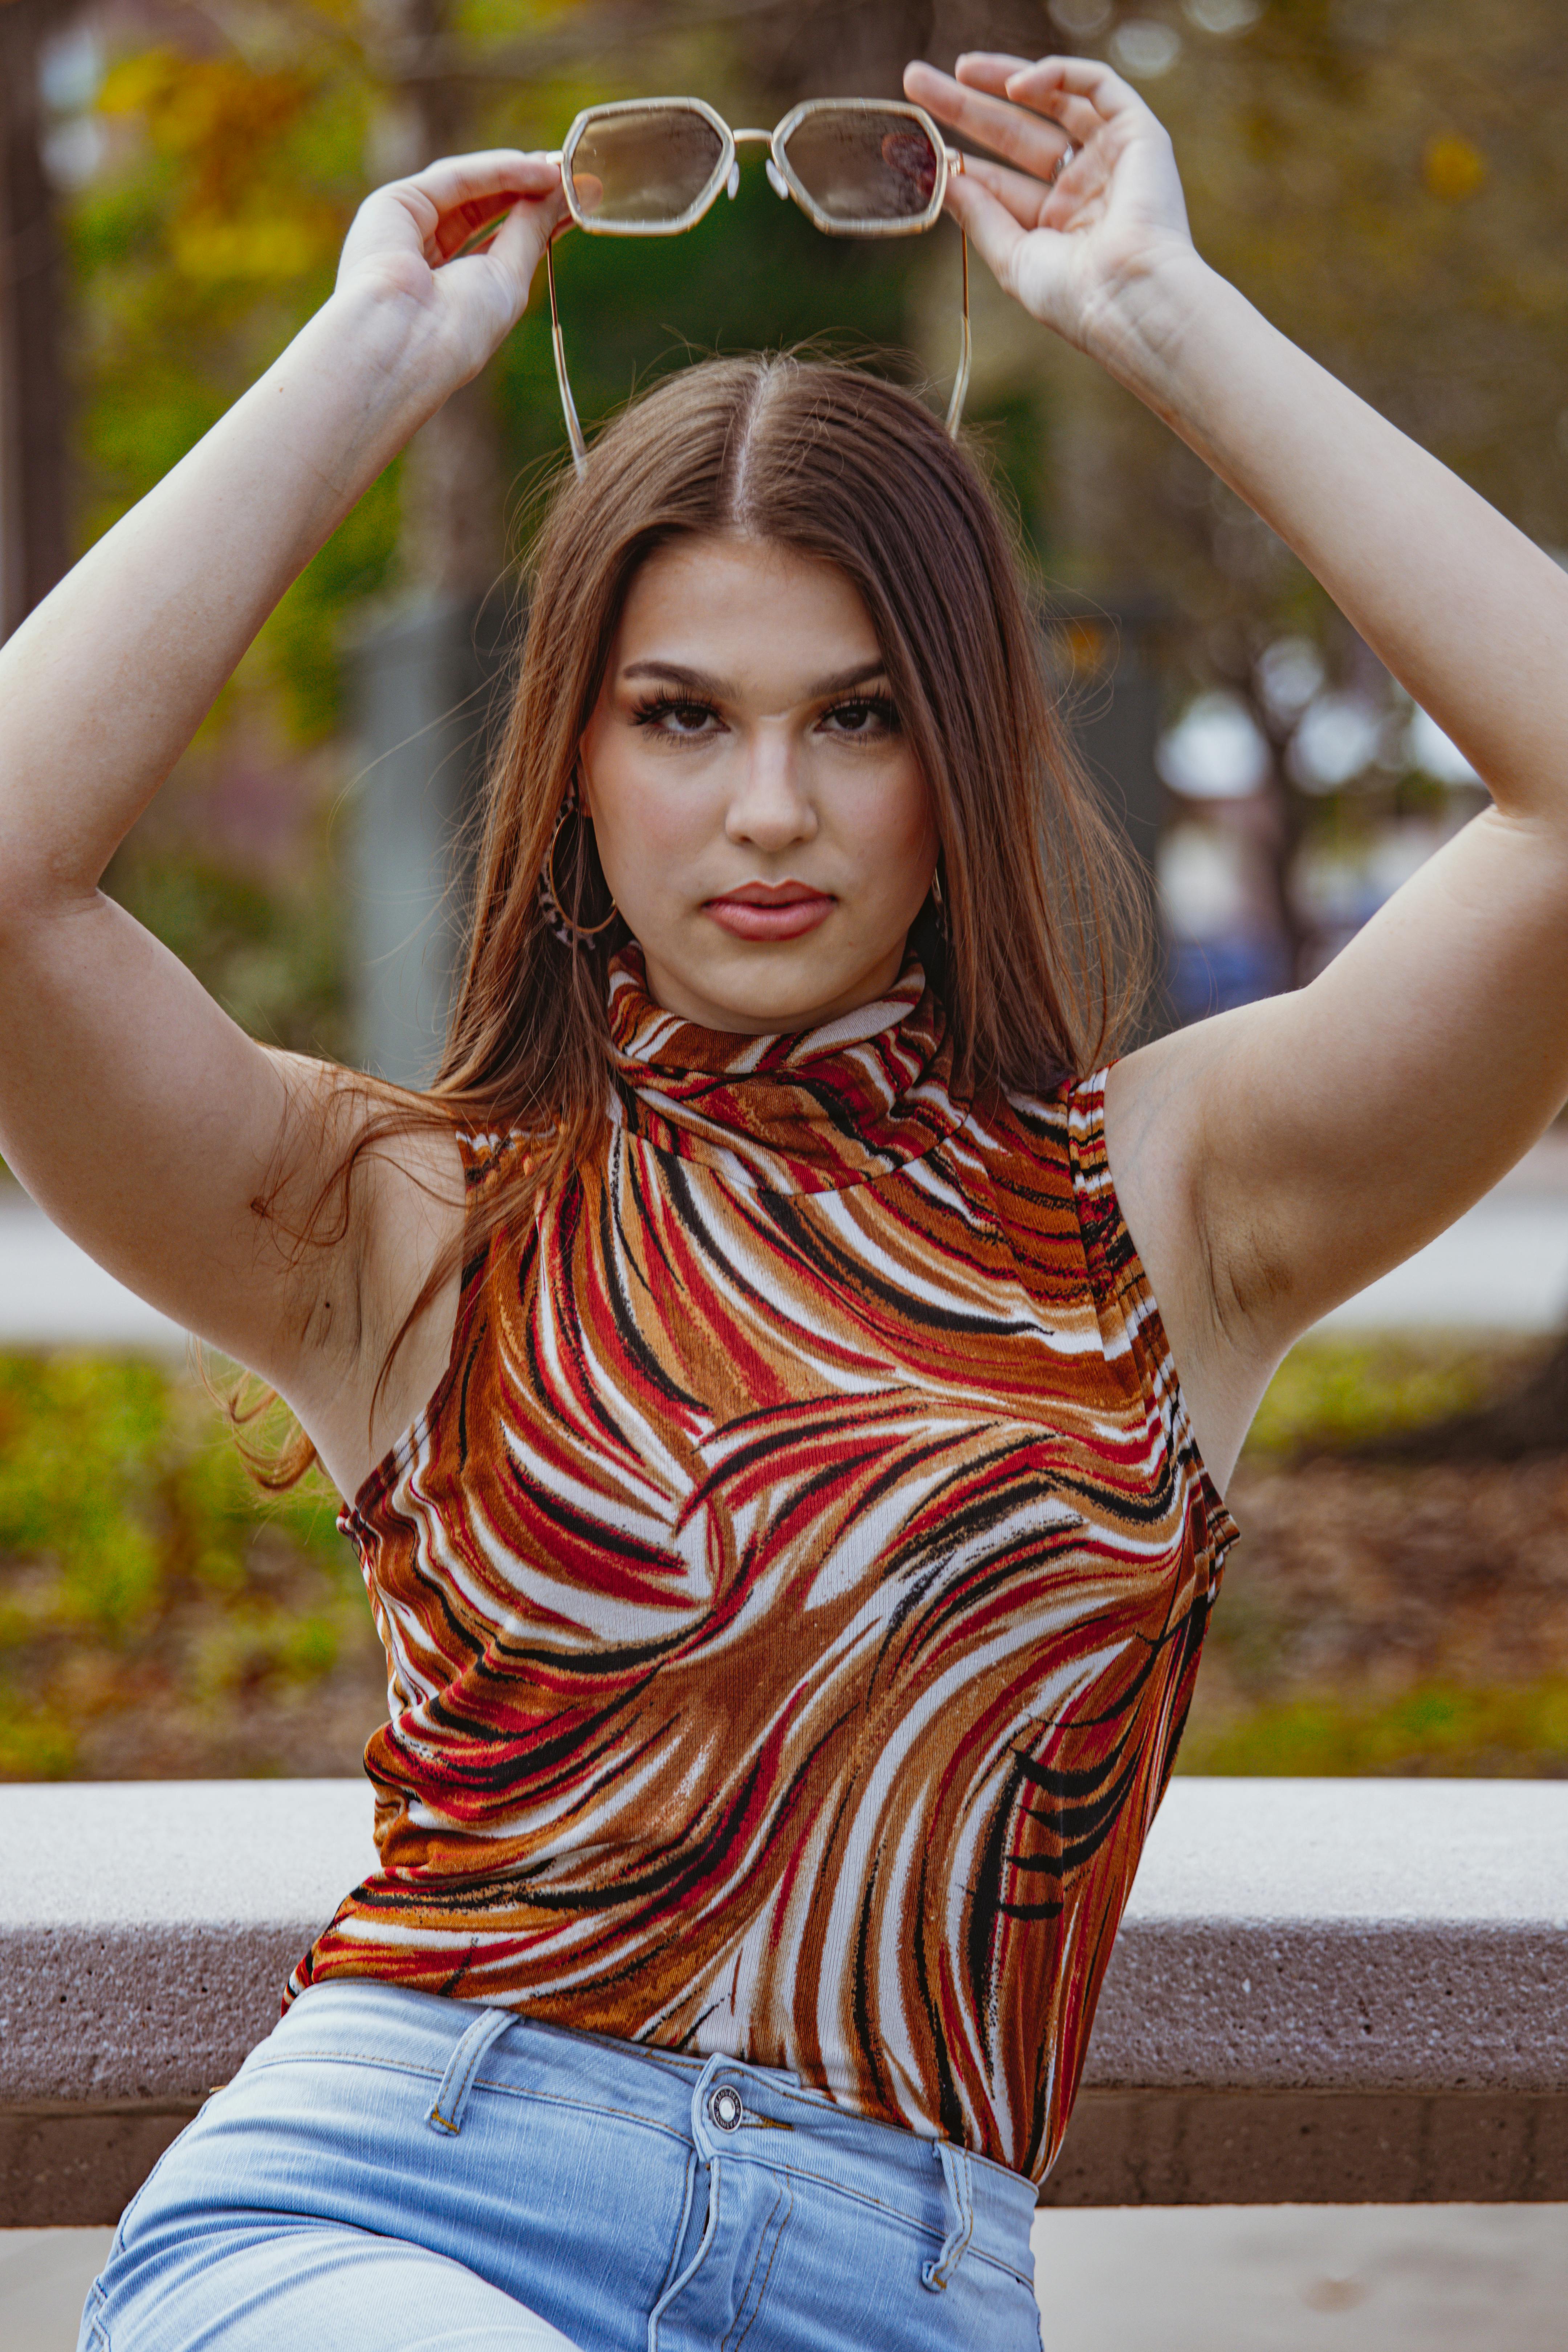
x=1364, y=169
x=1382, y=178
x=33, y=537
x=212, y=234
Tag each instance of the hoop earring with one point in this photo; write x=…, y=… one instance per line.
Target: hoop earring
x=560, y=924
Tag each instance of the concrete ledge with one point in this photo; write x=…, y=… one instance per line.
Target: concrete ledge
x=1313, y=2148
x=1324, y=1990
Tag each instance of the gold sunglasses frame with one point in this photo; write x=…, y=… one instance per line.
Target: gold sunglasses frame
x=786, y=182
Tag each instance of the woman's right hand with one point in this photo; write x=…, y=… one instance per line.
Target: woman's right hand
x=404, y=238
x=135, y=1111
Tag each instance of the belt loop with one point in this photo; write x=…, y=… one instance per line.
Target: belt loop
x=960, y=2183
x=452, y=2090
x=702, y=2132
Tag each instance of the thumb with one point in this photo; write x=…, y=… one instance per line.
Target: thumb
x=987, y=224
x=520, y=242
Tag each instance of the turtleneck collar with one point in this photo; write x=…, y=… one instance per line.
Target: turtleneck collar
x=813, y=1110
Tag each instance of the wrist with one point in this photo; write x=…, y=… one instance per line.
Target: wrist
x=386, y=343
x=1140, y=324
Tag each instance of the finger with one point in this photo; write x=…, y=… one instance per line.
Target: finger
x=1083, y=79
x=1022, y=137
x=458, y=193
x=1024, y=196
x=527, y=229
x=470, y=227
x=1011, y=78
x=455, y=180
x=988, y=224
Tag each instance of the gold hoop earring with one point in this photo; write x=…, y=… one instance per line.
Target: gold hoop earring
x=564, y=927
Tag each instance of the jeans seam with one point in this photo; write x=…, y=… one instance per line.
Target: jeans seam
x=770, y=2246
x=678, y=2239
x=973, y=2253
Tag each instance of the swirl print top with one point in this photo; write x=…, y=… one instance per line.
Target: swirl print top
x=794, y=1590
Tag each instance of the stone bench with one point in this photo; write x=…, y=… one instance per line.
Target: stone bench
x=1324, y=1992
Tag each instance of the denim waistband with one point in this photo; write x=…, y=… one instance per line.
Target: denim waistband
x=723, y=2106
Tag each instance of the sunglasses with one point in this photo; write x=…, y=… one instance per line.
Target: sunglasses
x=655, y=166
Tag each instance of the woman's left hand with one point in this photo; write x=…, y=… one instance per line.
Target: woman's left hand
x=1088, y=201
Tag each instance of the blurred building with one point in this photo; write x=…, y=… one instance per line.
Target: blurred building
x=1295, y=811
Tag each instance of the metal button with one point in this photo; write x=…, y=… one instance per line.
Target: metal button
x=725, y=2110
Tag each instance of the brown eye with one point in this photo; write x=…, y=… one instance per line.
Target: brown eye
x=869, y=715
x=668, y=716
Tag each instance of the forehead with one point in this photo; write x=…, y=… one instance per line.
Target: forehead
x=707, y=602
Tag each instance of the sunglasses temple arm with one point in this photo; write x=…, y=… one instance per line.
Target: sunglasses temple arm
x=961, y=381
x=569, y=406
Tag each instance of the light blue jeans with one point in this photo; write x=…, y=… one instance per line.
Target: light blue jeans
x=391, y=2172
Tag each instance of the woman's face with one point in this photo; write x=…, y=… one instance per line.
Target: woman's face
x=757, y=809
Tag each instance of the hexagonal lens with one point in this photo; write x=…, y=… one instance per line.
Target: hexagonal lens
x=645, y=168
x=863, y=166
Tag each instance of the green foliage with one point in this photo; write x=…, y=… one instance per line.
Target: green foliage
x=754, y=275
x=194, y=261
x=1377, y=1619
x=303, y=640
x=1332, y=1392
x=1507, y=1731
x=271, y=950
x=140, y=1570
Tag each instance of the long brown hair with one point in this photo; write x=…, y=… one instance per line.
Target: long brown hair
x=1042, y=944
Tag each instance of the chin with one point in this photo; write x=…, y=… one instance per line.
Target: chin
x=787, y=985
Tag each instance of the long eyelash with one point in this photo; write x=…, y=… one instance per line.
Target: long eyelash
x=661, y=704
x=887, y=711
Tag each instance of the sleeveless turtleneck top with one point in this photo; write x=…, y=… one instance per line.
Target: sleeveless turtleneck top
x=794, y=1590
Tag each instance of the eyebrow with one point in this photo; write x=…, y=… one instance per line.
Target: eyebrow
x=702, y=681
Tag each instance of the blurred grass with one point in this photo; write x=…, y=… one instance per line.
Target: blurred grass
x=155, y=1610
x=1329, y=1393
x=1380, y=1617
x=1437, y=1727
x=158, y=1616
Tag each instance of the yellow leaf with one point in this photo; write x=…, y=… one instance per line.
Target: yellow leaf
x=206, y=246
x=1452, y=167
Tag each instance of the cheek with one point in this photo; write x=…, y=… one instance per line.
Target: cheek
x=646, y=835
x=897, y=832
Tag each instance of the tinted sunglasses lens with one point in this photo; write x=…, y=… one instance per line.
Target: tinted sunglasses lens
x=645, y=168
x=870, y=166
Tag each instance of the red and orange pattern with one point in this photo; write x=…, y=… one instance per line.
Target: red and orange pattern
x=794, y=1590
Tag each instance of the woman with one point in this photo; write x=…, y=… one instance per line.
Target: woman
x=796, y=1551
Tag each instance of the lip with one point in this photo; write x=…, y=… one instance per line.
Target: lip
x=770, y=911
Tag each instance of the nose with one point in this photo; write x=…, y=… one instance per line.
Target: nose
x=772, y=807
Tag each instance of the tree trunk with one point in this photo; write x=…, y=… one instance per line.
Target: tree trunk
x=453, y=542
x=33, y=537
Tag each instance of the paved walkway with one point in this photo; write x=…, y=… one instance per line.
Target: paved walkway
x=1503, y=1267
x=1300, y=2278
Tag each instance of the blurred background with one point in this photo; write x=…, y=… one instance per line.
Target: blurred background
x=1384, y=179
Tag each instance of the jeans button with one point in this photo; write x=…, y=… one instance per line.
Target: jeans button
x=724, y=2108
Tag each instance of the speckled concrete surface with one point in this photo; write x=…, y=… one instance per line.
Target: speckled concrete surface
x=1282, y=1934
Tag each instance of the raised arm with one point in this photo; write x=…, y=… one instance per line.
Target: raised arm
x=146, y=1123
x=1274, y=1160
